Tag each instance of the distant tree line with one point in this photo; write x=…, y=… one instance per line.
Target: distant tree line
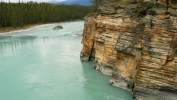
x=20, y=14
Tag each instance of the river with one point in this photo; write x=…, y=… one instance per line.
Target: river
x=44, y=64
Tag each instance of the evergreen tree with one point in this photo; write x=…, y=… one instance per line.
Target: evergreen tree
x=20, y=14
x=95, y=3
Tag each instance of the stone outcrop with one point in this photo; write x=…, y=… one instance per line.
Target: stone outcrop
x=135, y=42
x=58, y=27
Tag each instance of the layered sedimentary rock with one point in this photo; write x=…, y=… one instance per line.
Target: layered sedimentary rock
x=135, y=42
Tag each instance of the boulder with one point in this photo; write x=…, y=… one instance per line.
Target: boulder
x=58, y=27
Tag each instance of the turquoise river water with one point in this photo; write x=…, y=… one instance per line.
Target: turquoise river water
x=44, y=64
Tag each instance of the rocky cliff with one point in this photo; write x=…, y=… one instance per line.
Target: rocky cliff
x=135, y=42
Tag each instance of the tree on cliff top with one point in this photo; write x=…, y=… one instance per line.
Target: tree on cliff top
x=95, y=3
x=173, y=1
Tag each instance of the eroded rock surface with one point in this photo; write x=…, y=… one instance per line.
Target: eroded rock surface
x=135, y=42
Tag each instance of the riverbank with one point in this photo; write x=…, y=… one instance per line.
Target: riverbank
x=9, y=30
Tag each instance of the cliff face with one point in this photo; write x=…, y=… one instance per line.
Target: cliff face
x=135, y=42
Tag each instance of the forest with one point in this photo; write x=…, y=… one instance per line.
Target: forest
x=20, y=14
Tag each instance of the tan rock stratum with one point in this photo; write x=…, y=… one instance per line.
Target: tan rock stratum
x=135, y=42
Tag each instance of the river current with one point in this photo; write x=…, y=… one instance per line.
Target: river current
x=44, y=64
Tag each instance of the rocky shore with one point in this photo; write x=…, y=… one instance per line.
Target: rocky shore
x=135, y=42
x=9, y=30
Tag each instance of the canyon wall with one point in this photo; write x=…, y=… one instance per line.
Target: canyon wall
x=135, y=42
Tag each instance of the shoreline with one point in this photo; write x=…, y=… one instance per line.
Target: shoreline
x=9, y=30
